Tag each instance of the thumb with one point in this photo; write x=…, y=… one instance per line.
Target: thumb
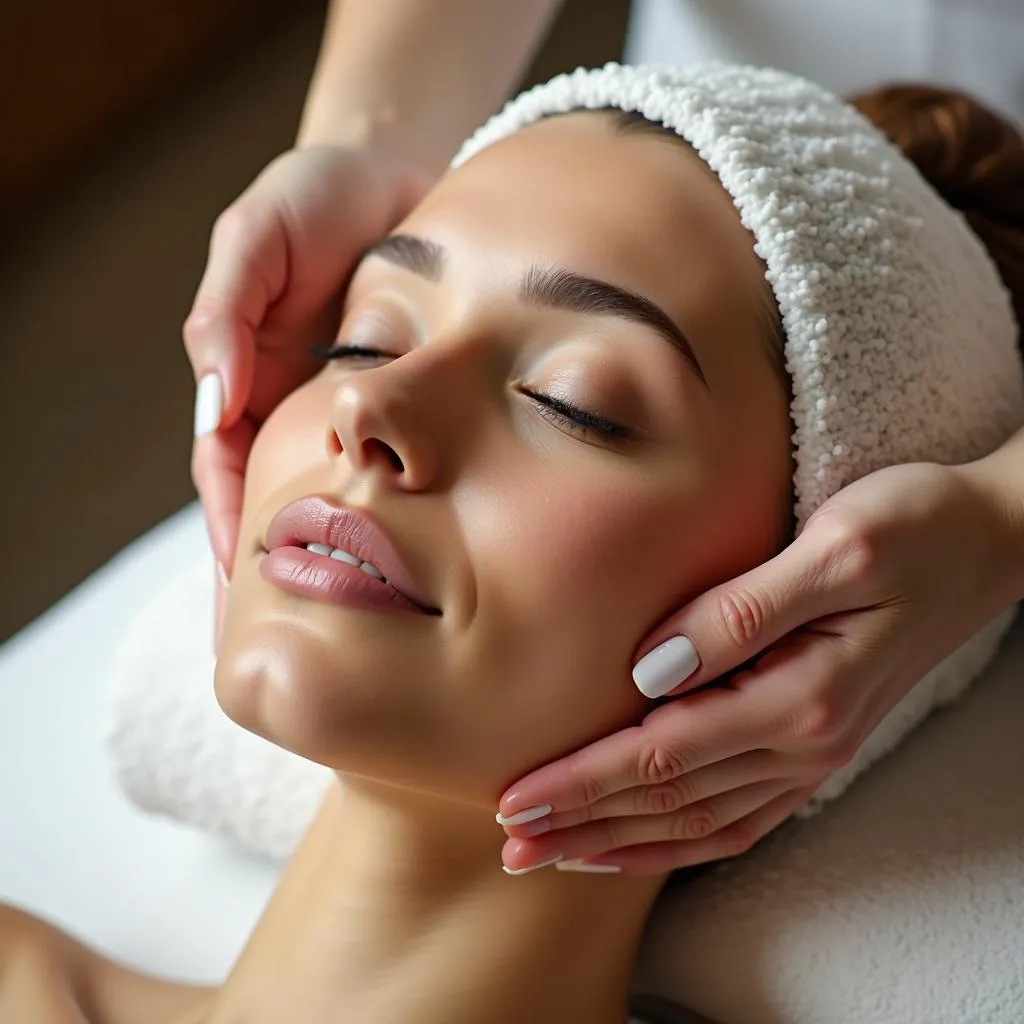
x=735, y=621
x=246, y=272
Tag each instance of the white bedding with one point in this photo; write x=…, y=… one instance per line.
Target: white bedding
x=157, y=895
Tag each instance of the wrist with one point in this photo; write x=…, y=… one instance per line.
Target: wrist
x=995, y=485
x=378, y=135
x=377, y=131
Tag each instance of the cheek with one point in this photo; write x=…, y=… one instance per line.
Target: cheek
x=572, y=569
x=604, y=554
x=568, y=578
x=290, y=441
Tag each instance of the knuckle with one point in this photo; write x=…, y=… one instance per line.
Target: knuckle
x=840, y=753
x=686, y=790
x=231, y=222
x=697, y=823
x=743, y=615
x=855, y=546
x=661, y=799
x=822, y=719
x=194, y=327
x=660, y=763
x=199, y=331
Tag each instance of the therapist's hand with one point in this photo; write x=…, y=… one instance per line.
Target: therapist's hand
x=279, y=257
x=888, y=577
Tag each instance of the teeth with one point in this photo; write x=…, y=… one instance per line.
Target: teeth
x=343, y=556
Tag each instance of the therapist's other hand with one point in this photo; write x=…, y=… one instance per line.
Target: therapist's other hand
x=888, y=577
x=278, y=259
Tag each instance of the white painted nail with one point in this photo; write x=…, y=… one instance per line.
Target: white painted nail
x=532, y=867
x=666, y=667
x=530, y=814
x=594, y=869
x=209, y=404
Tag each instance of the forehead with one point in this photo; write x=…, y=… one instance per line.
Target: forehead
x=644, y=198
x=639, y=209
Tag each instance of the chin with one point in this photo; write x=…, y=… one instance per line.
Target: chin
x=286, y=682
x=311, y=686
x=321, y=699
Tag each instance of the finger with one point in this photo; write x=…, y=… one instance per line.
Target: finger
x=667, y=797
x=673, y=740
x=218, y=608
x=735, y=839
x=246, y=272
x=732, y=623
x=810, y=693
x=603, y=837
x=221, y=586
x=218, y=471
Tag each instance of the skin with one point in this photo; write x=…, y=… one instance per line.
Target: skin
x=550, y=550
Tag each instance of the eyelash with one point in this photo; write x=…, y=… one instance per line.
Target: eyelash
x=557, y=410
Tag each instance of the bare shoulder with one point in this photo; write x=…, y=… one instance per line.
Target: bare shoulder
x=48, y=977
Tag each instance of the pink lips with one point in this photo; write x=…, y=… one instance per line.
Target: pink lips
x=316, y=521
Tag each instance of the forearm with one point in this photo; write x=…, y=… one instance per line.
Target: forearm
x=1000, y=478
x=417, y=76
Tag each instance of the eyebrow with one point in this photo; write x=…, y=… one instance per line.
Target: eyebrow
x=427, y=259
x=550, y=287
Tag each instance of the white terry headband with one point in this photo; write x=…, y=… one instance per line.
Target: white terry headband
x=900, y=339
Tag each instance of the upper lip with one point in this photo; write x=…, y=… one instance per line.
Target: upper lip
x=314, y=520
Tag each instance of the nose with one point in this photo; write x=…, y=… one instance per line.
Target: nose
x=384, y=419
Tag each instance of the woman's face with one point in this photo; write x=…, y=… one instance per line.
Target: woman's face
x=567, y=264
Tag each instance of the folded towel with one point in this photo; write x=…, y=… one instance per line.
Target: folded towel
x=173, y=750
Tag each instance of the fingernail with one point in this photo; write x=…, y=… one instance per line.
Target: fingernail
x=532, y=867
x=209, y=404
x=223, y=576
x=666, y=667
x=594, y=869
x=530, y=814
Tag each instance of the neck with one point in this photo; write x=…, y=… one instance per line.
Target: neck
x=393, y=912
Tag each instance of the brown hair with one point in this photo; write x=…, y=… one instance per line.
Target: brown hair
x=971, y=156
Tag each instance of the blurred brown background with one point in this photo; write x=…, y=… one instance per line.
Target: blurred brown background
x=128, y=128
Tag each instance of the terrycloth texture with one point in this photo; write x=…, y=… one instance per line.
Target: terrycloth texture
x=174, y=751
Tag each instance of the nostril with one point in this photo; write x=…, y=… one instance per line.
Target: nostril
x=387, y=451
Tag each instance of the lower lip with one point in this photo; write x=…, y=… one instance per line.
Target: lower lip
x=323, y=578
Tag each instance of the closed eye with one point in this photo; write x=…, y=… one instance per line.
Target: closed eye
x=559, y=411
x=328, y=352
x=569, y=415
